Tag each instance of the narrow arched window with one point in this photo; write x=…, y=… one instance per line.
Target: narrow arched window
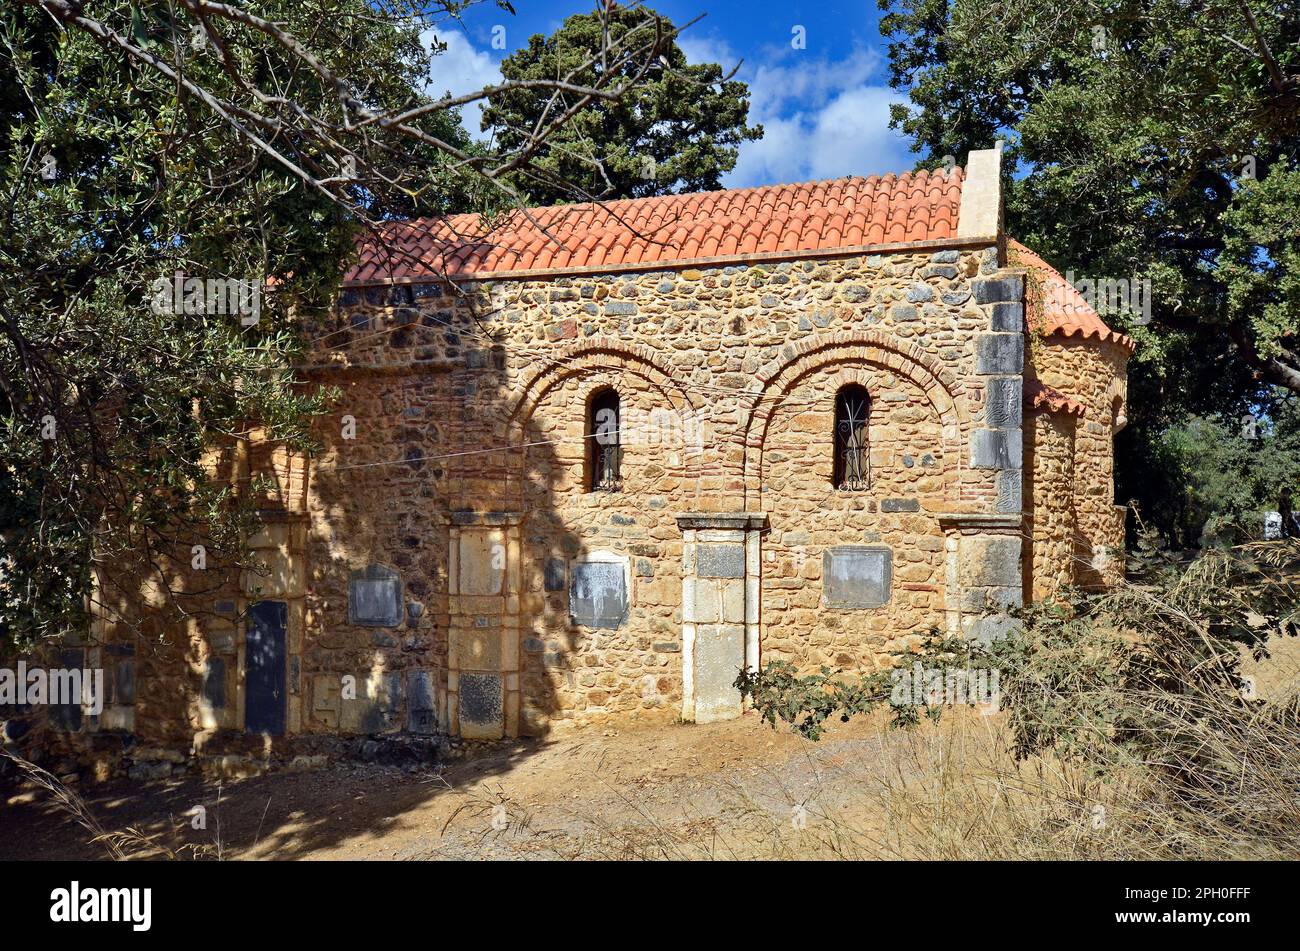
x=604, y=454
x=852, y=412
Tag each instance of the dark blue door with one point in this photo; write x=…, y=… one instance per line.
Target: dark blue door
x=264, y=682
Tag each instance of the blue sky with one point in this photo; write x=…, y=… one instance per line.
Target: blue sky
x=824, y=108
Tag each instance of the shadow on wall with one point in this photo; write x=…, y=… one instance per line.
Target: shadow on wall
x=427, y=537
x=393, y=576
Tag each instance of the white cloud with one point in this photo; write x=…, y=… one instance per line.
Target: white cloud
x=707, y=49
x=821, y=119
x=461, y=69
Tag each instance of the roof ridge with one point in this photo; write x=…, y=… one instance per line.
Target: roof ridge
x=826, y=214
x=683, y=196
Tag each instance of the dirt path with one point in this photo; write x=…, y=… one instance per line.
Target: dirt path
x=725, y=789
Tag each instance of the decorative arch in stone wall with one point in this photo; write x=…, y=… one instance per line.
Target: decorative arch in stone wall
x=778, y=378
x=601, y=356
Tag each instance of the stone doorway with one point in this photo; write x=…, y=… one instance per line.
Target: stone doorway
x=720, y=610
x=265, y=668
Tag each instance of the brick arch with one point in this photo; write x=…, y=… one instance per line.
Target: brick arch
x=604, y=359
x=776, y=379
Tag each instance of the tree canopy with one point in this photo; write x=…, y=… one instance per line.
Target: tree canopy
x=183, y=182
x=678, y=131
x=1146, y=139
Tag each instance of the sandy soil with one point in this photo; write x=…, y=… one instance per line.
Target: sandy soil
x=724, y=790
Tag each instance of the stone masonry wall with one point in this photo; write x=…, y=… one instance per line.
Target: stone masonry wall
x=1093, y=373
x=451, y=493
x=1049, y=520
x=727, y=377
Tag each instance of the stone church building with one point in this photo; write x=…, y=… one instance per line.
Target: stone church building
x=591, y=462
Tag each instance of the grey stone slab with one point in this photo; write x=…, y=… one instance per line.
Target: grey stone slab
x=990, y=600
x=375, y=597
x=720, y=561
x=422, y=703
x=554, y=574
x=1008, y=287
x=481, y=699
x=214, y=683
x=598, y=595
x=994, y=561
x=1000, y=353
x=124, y=681
x=857, y=576
x=1004, y=407
x=222, y=642
x=719, y=658
x=989, y=629
x=900, y=505
x=996, y=449
x=1007, y=317
x=1010, y=486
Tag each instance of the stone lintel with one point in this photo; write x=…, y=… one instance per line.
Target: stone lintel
x=734, y=521
x=992, y=522
x=469, y=517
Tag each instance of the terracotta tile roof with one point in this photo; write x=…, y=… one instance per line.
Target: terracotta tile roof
x=1053, y=306
x=1039, y=396
x=814, y=216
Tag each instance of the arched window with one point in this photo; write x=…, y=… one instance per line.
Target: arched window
x=604, y=455
x=852, y=412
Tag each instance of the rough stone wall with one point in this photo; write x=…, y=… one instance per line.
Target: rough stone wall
x=1093, y=373
x=909, y=480
x=1049, y=518
x=727, y=377
x=452, y=483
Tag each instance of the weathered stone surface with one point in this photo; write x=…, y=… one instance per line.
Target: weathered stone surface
x=996, y=449
x=991, y=561
x=1008, y=287
x=1010, y=486
x=900, y=505
x=989, y=629
x=1004, y=405
x=214, y=683
x=719, y=657
x=999, y=353
x=1007, y=317
x=598, y=594
x=555, y=574
x=481, y=711
x=857, y=576
x=990, y=600
x=375, y=597
x=422, y=702
x=720, y=561
x=482, y=561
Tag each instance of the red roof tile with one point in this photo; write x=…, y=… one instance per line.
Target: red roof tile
x=1053, y=304
x=1039, y=395
x=815, y=216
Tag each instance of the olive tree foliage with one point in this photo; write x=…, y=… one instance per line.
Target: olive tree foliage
x=1145, y=139
x=229, y=152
